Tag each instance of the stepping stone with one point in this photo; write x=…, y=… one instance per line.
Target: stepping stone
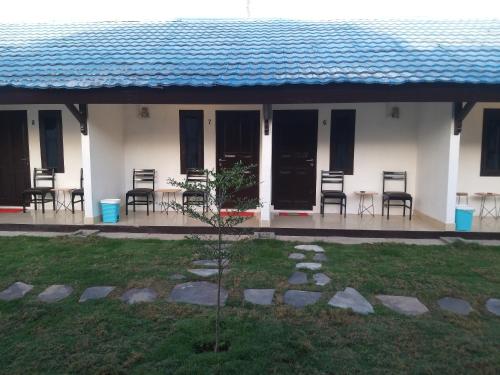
x=320, y=257
x=298, y=278
x=96, y=292
x=493, y=306
x=315, y=248
x=139, y=295
x=296, y=256
x=321, y=279
x=197, y=293
x=455, y=305
x=206, y=272
x=209, y=262
x=410, y=306
x=301, y=298
x=259, y=296
x=15, y=291
x=308, y=266
x=55, y=293
x=177, y=276
x=350, y=298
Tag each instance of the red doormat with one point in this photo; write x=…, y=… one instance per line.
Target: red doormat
x=239, y=214
x=10, y=210
x=293, y=214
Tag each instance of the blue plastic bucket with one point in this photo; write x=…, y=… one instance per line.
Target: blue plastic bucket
x=110, y=209
x=463, y=218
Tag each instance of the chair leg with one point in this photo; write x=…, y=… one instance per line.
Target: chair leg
x=133, y=202
x=404, y=208
x=81, y=203
x=73, y=204
x=54, y=200
x=383, y=206
x=345, y=207
x=126, y=204
x=147, y=205
x=411, y=207
x=322, y=207
x=43, y=203
x=23, y=198
x=153, y=196
x=388, y=208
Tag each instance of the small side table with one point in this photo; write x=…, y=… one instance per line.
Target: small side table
x=165, y=193
x=491, y=210
x=461, y=195
x=60, y=195
x=366, y=202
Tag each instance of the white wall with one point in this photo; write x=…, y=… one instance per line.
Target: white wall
x=469, y=178
x=154, y=142
x=381, y=143
x=103, y=157
x=71, y=143
x=437, y=162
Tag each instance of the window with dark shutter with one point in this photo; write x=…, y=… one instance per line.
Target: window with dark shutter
x=191, y=138
x=342, y=140
x=51, y=140
x=490, y=148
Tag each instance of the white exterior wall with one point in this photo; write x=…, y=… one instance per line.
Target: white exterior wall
x=71, y=144
x=103, y=157
x=469, y=178
x=381, y=143
x=437, y=162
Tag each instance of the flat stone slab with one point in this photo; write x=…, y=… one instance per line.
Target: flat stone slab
x=259, y=296
x=320, y=257
x=197, y=293
x=455, y=305
x=350, y=298
x=15, y=291
x=177, y=276
x=55, y=293
x=410, y=306
x=298, y=278
x=209, y=262
x=206, y=272
x=296, y=256
x=315, y=248
x=301, y=298
x=308, y=266
x=95, y=292
x=321, y=279
x=139, y=295
x=493, y=306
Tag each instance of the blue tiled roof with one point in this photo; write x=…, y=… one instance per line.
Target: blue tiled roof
x=248, y=52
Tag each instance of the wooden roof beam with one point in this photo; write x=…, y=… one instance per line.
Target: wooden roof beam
x=81, y=115
x=460, y=112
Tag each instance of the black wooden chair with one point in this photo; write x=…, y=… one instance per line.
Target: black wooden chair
x=400, y=196
x=38, y=192
x=331, y=196
x=77, y=194
x=198, y=196
x=146, y=195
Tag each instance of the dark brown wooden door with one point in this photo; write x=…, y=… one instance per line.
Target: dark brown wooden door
x=295, y=139
x=14, y=157
x=237, y=139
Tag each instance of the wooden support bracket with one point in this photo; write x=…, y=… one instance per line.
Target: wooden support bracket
x=81, y=114
x=460, y=112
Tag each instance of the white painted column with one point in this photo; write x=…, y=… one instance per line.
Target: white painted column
x=102, y=158
x=437, y=162
x=266, y=148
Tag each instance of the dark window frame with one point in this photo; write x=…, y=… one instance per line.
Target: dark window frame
x=60, y=146
x=201, y=146
x=489, y=114
x=349, y=170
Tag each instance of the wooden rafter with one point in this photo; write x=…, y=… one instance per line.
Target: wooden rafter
x=460, y=112
x=81, y=114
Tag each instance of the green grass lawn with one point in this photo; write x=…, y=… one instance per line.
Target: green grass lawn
x=109, y=337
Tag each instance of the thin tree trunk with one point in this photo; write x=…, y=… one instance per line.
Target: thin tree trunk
x=219, y=263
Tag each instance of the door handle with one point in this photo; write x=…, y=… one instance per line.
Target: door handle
x=310, y=160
